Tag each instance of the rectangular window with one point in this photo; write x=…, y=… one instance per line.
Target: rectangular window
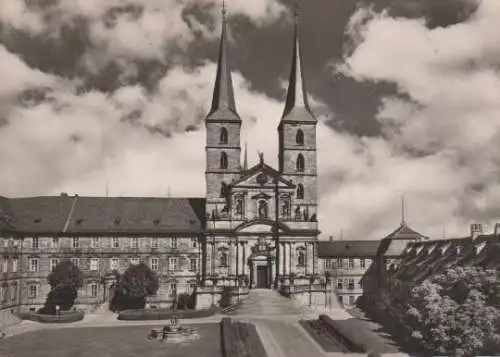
x=155, y=264
x=53, y=263
x=13, y=294
x=340, y=284
x=194, y=242
x=5, y=265
x=94, y=264
x=33, y=291
x=360, y=283
x=113, y=264
x=33, y=265
x=76, y=262
x=328, y=263
x=134, y=260
x=115, y=243
x=173, y=243
x=173, y=289
x=54, y=242
x=351, y=263
x=93, y=289
x=362, y=263
x=3, y=292
x=34, y=243
x=340, y=262
x=135, y=243
x=351, y=299
x=193, y=264
x=76, y=242
x=172, y=264
x=351, y=284
x=15, y=264
x=95, y=242
x=155, y=244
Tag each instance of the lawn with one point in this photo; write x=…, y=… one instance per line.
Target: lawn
x=123, y=341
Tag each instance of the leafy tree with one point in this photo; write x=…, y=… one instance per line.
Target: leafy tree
x=451, y=313
x=132, y=288
x=64, y=280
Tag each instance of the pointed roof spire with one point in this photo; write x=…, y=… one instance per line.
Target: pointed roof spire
x=245, y=158
x=403, y=220
x=297, y=96
x=223, y=95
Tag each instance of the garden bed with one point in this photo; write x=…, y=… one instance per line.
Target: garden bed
x=164, y=314
x=357, y=337
x=240, y=339
x=319, y=332
x=61, y=317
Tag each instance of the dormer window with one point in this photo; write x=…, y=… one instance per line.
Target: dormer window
x=299, y=137
x=300, y=163
x=223, y=136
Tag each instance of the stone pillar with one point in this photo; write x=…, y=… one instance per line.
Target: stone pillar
x=244, y=269
x=291, y=256
x=308, y=258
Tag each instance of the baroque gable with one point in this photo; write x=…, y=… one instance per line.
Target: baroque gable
x=262, y=176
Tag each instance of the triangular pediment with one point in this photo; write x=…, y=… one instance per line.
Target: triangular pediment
x=262, y=175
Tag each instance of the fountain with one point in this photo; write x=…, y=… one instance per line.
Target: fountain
x=173, y=333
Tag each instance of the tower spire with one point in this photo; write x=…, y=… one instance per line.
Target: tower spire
x=223, y=95
x=403, y=220
x=245, y=158
x=296, y=94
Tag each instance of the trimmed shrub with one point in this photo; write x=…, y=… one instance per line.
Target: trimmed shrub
x=240, y=339
x=225, y=299
x=163, y=314
x=62, y=317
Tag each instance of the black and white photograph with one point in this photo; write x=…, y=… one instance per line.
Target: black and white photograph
x=249, y=178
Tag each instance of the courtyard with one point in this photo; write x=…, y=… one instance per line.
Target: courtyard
x=119, y=341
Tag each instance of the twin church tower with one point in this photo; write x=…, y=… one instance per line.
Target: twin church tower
x=247, y=207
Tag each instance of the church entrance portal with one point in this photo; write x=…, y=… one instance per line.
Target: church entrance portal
x=260, y=272
x=262, y=276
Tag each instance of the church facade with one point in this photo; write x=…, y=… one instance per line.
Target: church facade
x=256, y=227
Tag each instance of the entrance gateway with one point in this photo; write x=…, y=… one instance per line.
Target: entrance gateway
x=261, y=264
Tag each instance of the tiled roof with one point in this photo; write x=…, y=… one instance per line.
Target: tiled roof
x=394, y=244
x=74, y=214
x=344, y=248
x=6, y=216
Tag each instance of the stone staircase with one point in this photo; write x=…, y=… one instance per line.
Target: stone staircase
x=267, y=302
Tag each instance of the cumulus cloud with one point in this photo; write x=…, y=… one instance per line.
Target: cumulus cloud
x=440, y=145
x=126, y=31
x=440, y=132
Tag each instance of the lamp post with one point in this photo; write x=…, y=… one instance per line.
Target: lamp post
x=276, y=231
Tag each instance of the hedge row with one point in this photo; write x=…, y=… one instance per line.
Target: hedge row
x=62, y=317
x=163, y=314
x=240, y=339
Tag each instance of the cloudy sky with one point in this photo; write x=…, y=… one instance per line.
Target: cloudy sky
x=407, y=92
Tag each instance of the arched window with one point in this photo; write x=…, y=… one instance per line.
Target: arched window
x=301, y=259
x=300, y=163
x=223, y=160
x=299, y=137
x=223, y=259
x=223, y=189
x=262, y=209
x=300, y=191
x=223, y=136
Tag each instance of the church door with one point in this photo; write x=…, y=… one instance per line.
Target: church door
x=262, y=276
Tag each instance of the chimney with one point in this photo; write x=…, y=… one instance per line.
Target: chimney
x=496, y=232
x=476, y=229
x=330, y=238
